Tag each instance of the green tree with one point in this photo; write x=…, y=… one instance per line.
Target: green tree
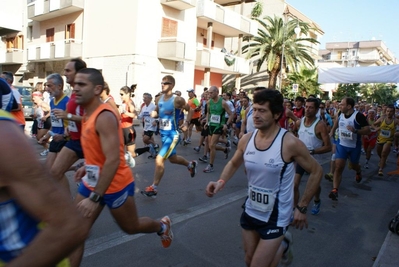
x=380, y=93
x=267, y=46
x=347, y=90
x=306, y=80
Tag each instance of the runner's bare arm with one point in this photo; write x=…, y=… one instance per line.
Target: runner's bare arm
x=25, y=180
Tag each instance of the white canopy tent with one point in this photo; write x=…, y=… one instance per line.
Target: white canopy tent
x=377, y=74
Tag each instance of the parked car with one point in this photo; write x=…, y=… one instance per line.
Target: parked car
x=27, y=103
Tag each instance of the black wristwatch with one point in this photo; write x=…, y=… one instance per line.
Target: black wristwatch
x=302, y=210
x=311, y=152
x=95, y=197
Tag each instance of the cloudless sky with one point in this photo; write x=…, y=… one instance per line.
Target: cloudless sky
x=354, y=20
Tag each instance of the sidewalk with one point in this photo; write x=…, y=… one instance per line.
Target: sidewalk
x=388, y=255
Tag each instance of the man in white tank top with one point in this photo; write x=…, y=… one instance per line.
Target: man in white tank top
x=269, y=154
x=313, y=132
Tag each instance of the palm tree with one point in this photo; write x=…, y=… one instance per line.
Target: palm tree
x=267, y=47
x=306, y=80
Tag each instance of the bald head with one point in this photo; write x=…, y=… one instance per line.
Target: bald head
x=213, y=92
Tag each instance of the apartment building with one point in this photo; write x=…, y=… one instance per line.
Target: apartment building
x=278, y=8
x=132, y=42
x=12, y=27
x=354, y=54
x=358, y=54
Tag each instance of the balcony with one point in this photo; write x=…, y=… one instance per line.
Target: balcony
x=215, y=60
x=172, y=50
x=11, y=56
x=59, y=50
x=232, y=2
x=179, y=4
x=40, y=10
x=225, y=21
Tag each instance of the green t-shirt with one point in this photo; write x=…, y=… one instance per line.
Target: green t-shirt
x=216, y=113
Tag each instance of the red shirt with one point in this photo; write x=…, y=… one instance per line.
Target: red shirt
x=74, y=127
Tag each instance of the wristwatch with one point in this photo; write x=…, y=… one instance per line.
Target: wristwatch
x=69, y=116
x=302, y=210
x=95, y=197
x=311, y=152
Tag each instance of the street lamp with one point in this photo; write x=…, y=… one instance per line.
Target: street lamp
x=297, y=31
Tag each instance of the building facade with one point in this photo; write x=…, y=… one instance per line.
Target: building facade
x=131, y=42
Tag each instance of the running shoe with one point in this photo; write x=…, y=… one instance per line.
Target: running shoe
x=208, y=168
x=366, y=166
x=185, y=142
x=358, y=177
x=130, y=160
x=316, y=208
x=329, y=176
x=188, y=141
x=150, y=192
x=288, y=256
x=44, y=152
x=380, y=173
x=197, y=149
x=167, y=235
x=152, y=151
x=395, y=151
x=333, y=194
x=192, y=168
x=226, y=152
x=204, y=159
x=228, y=143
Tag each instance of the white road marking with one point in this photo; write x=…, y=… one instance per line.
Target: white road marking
x=117, y=238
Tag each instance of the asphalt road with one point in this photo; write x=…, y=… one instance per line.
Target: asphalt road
x=347, y=232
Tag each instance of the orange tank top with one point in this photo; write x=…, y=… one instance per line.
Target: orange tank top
x=95, y=158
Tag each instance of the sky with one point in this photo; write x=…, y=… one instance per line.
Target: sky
x=354, y=20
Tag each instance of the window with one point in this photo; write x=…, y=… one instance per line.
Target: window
x=15, y=43
x=70, y=31
x=205, y=41
x=30, y=33
x=169, y=28
x=50, y=35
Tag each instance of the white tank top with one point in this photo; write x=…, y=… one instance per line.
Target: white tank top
x=270, y=182
x=346, y=137
x=307, y=135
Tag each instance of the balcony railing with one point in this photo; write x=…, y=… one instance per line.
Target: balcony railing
x=180, y=4
x=225, y=21
x=59, y=50
x=11, y=56
x=40, y=10
x=172, y=50
x=215, y=60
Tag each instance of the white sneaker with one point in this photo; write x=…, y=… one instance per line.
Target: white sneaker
x=130, y=160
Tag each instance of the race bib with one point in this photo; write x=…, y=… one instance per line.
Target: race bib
x=165, y=124
x=346, y=135
x=72, y=126
x=92, y=175
x=147, y=122
x=385, y=133
x=261, y=199
x=215, y=119
x=56, y=122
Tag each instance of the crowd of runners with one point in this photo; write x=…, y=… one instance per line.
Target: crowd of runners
x=277, y=141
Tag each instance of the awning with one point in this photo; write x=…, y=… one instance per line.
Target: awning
x=376, y=74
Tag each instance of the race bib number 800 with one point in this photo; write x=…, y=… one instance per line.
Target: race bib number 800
x=261, y=199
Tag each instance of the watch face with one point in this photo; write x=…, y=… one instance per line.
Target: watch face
x=69, y=116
